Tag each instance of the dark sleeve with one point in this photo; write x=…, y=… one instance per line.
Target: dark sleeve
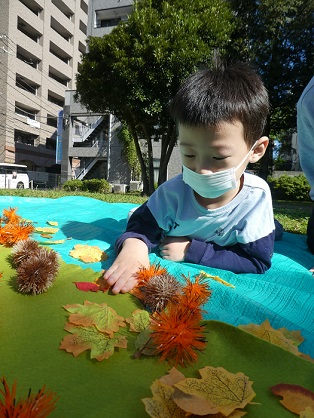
x=254, y=257
x=141, y=225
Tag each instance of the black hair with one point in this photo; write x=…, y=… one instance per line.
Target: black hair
x=223, y=94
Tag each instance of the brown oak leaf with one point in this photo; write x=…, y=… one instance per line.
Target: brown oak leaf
x=294, y=397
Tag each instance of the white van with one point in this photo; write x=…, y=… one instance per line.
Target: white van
x=13, y=176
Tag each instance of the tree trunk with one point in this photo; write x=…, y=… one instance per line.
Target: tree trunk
x=168, y=142
x=141, y=160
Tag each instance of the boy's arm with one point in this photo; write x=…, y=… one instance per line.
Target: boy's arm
x=122, y=273
x=132, y=247
x=254, y=257
x=143, y=226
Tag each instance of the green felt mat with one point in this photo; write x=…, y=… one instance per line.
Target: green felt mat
x=31, y=329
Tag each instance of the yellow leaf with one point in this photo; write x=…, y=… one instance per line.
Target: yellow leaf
x=218, y=391
x=88, y=253
x=52, y=223
x=294, y=336
x=268, y=333
x=216, y=278
x=162, y=404
x=58, y=241
x=46, y=230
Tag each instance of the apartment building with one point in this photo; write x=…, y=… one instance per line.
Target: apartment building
x=41, y=42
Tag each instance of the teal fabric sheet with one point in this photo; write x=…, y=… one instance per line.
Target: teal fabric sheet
x=284, y=295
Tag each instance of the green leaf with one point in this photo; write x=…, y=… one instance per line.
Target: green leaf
x=104, y=318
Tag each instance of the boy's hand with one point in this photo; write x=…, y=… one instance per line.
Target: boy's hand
x=174, y=248
x=121, y=275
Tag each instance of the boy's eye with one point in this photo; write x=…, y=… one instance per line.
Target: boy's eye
x=219, y=158
x=189, y=155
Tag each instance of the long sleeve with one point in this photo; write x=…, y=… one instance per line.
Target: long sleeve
x=141, y=225
x=240, y=258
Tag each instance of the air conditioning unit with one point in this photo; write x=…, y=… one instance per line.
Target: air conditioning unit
x=134, y=186
x=119, y=188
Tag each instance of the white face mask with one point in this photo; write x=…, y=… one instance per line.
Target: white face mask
x=213, y=185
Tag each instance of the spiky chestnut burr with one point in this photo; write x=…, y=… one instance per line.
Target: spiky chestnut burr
x=38, y=272
x=159, y=291
x=23, y=250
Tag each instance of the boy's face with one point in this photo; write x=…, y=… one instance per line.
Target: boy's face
x=207, y=149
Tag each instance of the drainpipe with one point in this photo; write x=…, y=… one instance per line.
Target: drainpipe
x=109, y=144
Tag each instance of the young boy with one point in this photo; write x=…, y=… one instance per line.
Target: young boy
x=213, y=213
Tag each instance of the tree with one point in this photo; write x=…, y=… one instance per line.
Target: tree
x=278, y=37
x=135, y=70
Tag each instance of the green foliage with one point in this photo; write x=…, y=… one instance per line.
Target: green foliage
x=130, y=152
x=97, y=186
x=290, y=187
x=92, y=186
x=74, y=186
x=135, y=70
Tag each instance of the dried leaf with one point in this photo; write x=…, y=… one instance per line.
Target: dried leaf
x=102, y=316
x=162, y=404
x=307, y=413
x=294, y=336
x=218, y=391
x=268, y=333
x=88, y=253
x=46, y=229
x=295, y=398
x=173, y=377
x=59, y=241
x=139, y=321
x=102, y=346
x=217, y=279
x=102, y=284
x=52, y=223
x=87, y=286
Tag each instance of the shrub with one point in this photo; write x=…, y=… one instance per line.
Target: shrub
x=290, y=187
x=74, y=186
x=97, y=186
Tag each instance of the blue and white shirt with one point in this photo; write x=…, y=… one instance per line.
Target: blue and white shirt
x=238, y=236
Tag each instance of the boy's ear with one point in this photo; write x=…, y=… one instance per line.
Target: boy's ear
x=259, y=149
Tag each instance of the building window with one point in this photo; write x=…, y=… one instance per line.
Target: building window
x=24, y=56
x=63, y=8
x=57, y=27
x=28, y=30
x=53, y=98
x=24, y=138
x=59, y=53
x=83, y=27
x=58, y=77
x=84, y=6
x=32, y=6
x=51, y=144
x=52, y=121
x=25, y=111
x=26, y=84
